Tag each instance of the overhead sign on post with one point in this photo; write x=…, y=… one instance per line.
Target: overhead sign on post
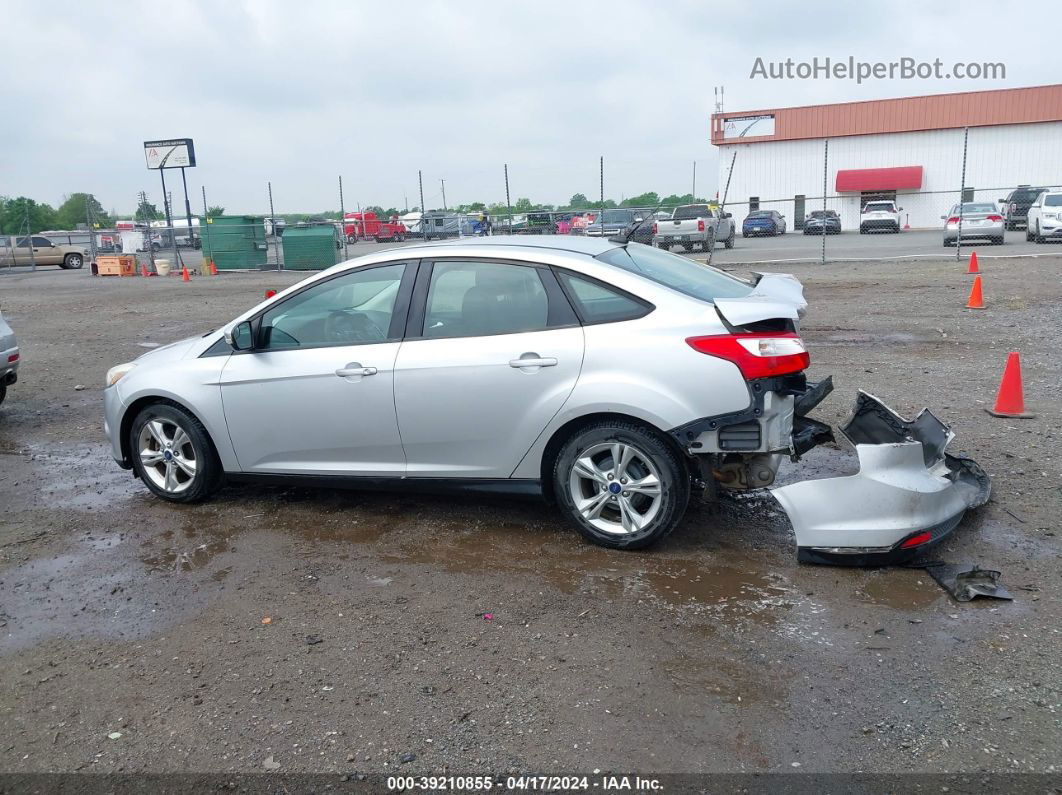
x=173, y=153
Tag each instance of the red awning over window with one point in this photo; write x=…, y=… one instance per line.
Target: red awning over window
x=866, y=179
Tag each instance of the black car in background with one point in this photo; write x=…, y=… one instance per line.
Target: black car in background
x=1016, y=206
x=813, y=224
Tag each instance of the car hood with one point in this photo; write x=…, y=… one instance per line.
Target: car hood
x=169, y=353
x=776, y=295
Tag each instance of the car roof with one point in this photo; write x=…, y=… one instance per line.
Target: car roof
x=578, y=244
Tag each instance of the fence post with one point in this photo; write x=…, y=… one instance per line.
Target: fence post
x=722, y=207
x=825, y=188
x=508, y=203
x=343, y=220
x=962, y=194
x=210, y=251
x=273, y=224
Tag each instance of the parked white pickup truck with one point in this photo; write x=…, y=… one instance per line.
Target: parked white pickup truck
x=880, y=216
x=694, y=225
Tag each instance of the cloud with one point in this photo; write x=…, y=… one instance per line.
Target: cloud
x=299, y=94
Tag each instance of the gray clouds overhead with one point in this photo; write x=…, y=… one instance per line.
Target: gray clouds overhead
x=299, y=93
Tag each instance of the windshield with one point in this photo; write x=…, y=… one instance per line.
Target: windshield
x=678, y=273
x=1027, y=195
x=818, y=213
x=879, y=206
x=617, y=216
x=692, y=211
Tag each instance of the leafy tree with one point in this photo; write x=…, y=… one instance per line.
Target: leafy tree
x=650, y=199
x=523, y=206
x=14, y=213
x=146, y=211
x=215, y=210
x=81, y=208
x=578, y=201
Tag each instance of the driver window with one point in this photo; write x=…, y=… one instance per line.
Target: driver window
x=354, y=309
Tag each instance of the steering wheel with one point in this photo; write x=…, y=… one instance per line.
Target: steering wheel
x=342, y=326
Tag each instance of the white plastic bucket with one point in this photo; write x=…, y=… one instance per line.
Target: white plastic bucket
x=162, y=267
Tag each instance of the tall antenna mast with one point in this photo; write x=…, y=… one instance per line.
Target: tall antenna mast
x=718, y=91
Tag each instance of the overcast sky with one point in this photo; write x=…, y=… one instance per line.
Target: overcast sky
x=300, y=93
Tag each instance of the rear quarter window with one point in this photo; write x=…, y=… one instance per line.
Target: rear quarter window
x=595, y=302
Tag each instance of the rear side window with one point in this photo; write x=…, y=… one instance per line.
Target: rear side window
x=692, y=211
x=681, y=274
x=598, y=303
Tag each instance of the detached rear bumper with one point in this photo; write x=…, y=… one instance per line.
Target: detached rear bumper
x=909, y=493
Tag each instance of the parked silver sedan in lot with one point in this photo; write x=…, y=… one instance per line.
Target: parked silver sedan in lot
x=9, y=357
x=980, y=221
x=612, y=379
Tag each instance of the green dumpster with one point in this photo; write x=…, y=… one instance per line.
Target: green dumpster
x=310, y=247
x=234, y=242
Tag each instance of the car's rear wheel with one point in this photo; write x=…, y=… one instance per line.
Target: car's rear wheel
x=620, y=485
x=173, y=455
x=72, y=262
x=1036, y=235
x=687, y=246
x=3, y=392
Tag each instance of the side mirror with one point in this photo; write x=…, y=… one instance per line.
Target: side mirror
x=943, y=218
x=899, y=209
x=728, y=215
x=240, y=337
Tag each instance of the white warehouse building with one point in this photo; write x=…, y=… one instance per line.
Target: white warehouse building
x=910, y=149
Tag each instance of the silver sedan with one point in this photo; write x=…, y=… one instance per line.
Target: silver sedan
x=977, y=220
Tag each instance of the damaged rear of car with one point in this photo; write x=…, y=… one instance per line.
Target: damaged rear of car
x=909, y=492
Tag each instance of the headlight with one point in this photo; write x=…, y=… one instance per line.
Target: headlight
x=115, y=374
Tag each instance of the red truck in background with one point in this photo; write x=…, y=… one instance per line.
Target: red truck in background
x=358, y=226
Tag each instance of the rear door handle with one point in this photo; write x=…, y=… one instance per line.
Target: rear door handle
x=532, y=360
x=355, y=369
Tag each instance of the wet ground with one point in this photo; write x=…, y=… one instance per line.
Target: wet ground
x=330, y=630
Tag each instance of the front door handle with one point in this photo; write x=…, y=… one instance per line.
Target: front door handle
x=529, y=359
x=354, y=369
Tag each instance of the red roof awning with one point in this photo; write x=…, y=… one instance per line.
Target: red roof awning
x=866, y=179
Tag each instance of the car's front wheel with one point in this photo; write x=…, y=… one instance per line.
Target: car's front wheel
x=172, y=453
x=72, y=262
x=620, y=485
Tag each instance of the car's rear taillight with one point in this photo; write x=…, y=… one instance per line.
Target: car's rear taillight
x=700, y=225
x=12, y=358
x=1013, y=207
x=995, y=218
x=953, y=220
x=655, y=229
x=917, y=540
x=757, y=355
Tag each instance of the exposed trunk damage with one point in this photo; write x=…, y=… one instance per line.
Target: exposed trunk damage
x=909, y=492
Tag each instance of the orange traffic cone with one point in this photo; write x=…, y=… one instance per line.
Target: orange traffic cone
x=213, y=268
x=143, y=269
x=185, y=277
x=976, y=300
x=973, y=263
x=1010, y=402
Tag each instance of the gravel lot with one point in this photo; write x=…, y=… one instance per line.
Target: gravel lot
x=120, y=614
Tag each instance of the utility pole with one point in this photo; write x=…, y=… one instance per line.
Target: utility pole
x=206, y=220
x=442, y=182
x=693, y=198
x=601, y=175
x=420, y=182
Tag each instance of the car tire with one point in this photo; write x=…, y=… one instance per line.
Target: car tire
x=620, y=520
x=688, y=246
x=862, y=229
x=178, y=440
x=997, y=241
x=665, y=246
x=1037, y=237
x=3, y=392
x=729, y=242
x=1028, y=235
x=745, y=234
x=352, y=238
x=72, y=262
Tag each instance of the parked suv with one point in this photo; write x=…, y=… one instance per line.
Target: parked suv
x=40, y=250
x=1015, y=206
x=880, y=216
x=1045, y=217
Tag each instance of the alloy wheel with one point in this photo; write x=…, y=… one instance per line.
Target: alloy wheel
x=167, y=454
x=616, y=488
